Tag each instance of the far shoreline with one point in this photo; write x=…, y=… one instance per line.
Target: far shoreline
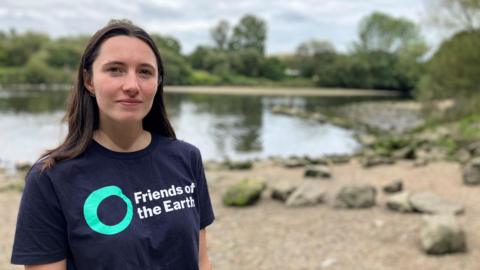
x=233, y=90
x=280, y=91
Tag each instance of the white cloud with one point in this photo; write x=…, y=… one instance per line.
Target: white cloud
x=289, y=22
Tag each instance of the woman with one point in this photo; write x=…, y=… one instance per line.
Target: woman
x=121, y=192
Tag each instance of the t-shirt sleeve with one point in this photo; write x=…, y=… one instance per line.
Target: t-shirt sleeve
x=40, y=235
x=205, y=205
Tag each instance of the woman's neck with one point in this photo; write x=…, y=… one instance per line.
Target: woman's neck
x=123, y=141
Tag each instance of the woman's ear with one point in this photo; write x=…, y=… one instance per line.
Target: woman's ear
x=87, y=81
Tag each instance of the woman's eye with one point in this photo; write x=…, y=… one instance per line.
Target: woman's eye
x=114, y=70
x=146, y=72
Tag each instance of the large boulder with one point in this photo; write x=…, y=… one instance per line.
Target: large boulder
x=281, y=190
x=430, y=203
x=395, y=186
x=442, y=234
x=400, y=202
x=356, y=196
x=244, y=193
x=317, y=172
x=474, y=148
x=306, y=194
x=471, y=172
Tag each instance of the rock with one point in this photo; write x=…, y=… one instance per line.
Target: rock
x=281, y=190
x=371, y=161
x=434, y=135
x=471, y=172
x=318, y=117
x=22, y=165
x=474, y=148
x=356, y=196
x=407, y=152
x=393, y=187
x=442, y=234
x=306, y=194
x=317, y=172
x=327, y=263
x=463, y=155
x=239, y=165
x=294, y=163
x=338, y=159
x=427, y=202
x=244, y=193
x=366, y=139
x=420, y=163
x=400, y=202
x=316, y=161
x=437, y=153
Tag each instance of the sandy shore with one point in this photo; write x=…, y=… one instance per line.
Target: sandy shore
x=278, y=91
x=269, y=235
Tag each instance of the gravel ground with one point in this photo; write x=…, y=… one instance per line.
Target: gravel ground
x=269, y=235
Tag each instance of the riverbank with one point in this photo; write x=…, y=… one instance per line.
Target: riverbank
x=280, y=91
x=234, y=90
x=270, y=235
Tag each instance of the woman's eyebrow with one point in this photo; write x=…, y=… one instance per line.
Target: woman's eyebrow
x=123, y=64
x=147, y=65
x=114, y=63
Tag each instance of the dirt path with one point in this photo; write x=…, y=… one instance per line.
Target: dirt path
x=271, y=236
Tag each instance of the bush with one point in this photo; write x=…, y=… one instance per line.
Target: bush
x=200, y=77
x=454, y=73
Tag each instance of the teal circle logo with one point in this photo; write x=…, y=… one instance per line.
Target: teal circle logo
x=91, y=206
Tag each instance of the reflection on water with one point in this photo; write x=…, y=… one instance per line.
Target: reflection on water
x=222, y=126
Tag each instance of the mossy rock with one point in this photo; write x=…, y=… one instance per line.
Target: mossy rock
x=239, y=165
x=244, y=193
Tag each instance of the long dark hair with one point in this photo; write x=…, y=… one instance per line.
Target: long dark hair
x=82, y=110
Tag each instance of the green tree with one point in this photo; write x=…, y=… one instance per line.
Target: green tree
x=272, y=68
x=249, y=34
x=247, y=62
x=455, y=14
x=20, y=47
x=313, y=47
x=454, y=72
x=313, y=55
x=382, y=32
x=65, y=52
x=219, y=34
x=166, y=42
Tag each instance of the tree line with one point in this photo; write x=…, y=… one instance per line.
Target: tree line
x=385, y=57
x=389, y=53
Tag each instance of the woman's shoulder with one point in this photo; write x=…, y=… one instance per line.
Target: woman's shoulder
x=179, y=145
x=44, y=167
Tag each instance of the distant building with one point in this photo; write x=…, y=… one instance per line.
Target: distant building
x=291, y=72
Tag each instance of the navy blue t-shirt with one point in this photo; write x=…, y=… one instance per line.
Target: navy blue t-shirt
x=116, y=210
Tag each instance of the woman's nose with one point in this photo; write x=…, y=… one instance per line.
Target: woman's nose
x=131, y=82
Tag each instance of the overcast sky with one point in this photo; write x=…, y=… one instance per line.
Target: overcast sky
x=289, y=22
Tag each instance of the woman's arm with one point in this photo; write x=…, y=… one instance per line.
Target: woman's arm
x=204, y=261
x=61, y=265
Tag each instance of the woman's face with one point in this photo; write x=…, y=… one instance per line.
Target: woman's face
x=125, y=79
